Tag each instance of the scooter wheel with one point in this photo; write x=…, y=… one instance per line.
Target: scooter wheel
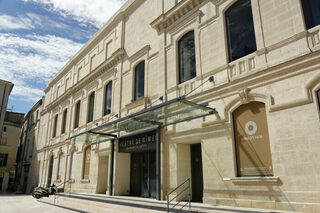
x=37, y=196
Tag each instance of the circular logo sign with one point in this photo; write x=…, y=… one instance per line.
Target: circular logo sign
x=251, y=127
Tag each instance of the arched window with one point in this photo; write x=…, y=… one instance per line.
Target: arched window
x=55, y=123
x=77, y=114
x=72, y=164
x=252, y=140
x=139, y=81
x=50, y=171
x=59, y=174
x=311, y=11
x=86, y=163
x=107, y=98
x=64, y=121
x=240, y=30
x=187, y=57
x=90, y=108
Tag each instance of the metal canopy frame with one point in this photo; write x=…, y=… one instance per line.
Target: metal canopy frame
x=154, y=118
x=146, y=120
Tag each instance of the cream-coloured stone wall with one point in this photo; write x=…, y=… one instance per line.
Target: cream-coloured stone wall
x=283, y=74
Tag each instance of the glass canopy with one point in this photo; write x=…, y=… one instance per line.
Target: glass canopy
x=170, y=112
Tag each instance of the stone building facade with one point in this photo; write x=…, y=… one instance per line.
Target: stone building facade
x=8, y=149
x=26, y=161
x=252, y=64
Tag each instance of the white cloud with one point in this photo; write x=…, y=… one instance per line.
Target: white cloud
x=96, y=12
x=33, y=60
x=12, y=23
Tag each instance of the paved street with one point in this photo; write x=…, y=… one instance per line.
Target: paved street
x=12, y=203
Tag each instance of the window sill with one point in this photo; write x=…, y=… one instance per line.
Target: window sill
x=58, y=181
x=255, y=180
x=85, y=181
x=136, y=103
x=72, y=181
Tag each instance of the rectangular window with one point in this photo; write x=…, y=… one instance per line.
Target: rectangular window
x=55, y=123
x=73, y=162
x=311, y=11
x=64, y=121
x=90, y=108
x=3, y=159
x=60, y=167
x=77, y=115
x=139, y=81
x=107, y=98
x=4, y=129
x=240, y=30
x=318, y=94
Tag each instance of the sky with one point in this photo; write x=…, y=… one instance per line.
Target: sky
x=38, y=37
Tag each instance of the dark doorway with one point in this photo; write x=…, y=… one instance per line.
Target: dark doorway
x=143, y=174
x=50, y=171
x=196, y=172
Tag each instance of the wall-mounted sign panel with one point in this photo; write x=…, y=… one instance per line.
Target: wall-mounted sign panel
x=138, y=143
x=252, y=140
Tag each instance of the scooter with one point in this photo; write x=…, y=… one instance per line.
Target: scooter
x=39, y=191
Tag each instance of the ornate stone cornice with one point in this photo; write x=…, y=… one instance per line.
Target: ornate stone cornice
x=107, y=65
x=176, y=13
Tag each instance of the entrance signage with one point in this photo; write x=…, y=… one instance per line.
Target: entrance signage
x=252, y=140
x=138, y=143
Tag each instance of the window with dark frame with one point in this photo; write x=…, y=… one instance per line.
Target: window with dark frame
x=311, y=12
x=240, y=30
x=186, y=57
x=3, y=159
x=139, y=81
x=90, y=108
x=4, y=129
x=64, y=121
x=77, y=115
x=55, y=123
x=107, y=98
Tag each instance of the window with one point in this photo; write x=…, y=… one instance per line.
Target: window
x=77, y=114
x=64, y=121
x=60, y=167
x=3, y=159
x=4, y=129
x=107, y=98
x=187, y=58
x=240, y=30
x=32, y=147
x=252, y=140
x=139, y=81
x=90, y=108
x=3, y=141
x=73, y=162
x=311, y=11
x=55, y=123
x=86, y=162
x=37, y=115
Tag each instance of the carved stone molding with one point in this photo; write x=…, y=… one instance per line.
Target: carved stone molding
x=175, y=14
x=244, y=95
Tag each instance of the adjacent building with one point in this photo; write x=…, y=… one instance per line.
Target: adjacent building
x=225, y=92
x=27, y=161
x=8, y=149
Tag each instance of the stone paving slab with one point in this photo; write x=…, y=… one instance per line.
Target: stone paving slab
x=13, y=203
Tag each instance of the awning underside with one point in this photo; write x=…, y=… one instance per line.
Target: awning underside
x=171, y=112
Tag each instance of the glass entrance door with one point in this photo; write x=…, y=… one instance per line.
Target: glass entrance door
x=143, y=174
